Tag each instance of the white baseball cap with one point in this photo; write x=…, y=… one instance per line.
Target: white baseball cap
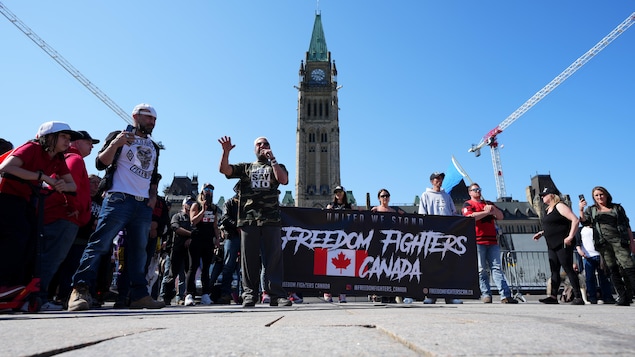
x=51, y=127
x=144, y=109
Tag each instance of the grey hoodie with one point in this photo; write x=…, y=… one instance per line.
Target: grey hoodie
x=436, y=203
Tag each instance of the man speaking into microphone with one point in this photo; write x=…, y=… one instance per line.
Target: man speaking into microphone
x=258, y=219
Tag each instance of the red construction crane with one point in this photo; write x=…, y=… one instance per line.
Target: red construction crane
x=490, y=139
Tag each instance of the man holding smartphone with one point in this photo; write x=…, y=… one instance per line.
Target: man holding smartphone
x=130, y=158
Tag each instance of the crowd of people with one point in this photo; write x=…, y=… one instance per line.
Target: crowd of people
x=85, y=237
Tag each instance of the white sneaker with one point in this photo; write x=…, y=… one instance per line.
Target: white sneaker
x=328, y=297
x=342, y=298
x=206, y=300
x=189, y=300
x=51, y=306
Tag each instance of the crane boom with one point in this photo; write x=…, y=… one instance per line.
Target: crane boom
x=64, y=63
x=490, y=138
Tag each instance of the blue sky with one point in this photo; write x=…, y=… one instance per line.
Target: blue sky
x=422, y=81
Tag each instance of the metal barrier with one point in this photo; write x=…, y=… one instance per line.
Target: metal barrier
x=525, y=270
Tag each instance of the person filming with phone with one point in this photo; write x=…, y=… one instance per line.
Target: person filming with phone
x=130, y=159
x=613, y=238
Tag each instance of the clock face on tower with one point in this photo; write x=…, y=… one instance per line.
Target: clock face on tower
x=318, y=75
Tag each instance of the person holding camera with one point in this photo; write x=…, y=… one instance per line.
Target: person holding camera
x=205, y=236
x=130, y=159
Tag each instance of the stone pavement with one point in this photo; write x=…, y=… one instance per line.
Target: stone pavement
x=316, y=328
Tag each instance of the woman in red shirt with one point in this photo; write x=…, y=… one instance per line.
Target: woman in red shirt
x=24, y=170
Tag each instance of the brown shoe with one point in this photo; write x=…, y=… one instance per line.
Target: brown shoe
x=146, y=302
x=486, y=299
x=80, y=298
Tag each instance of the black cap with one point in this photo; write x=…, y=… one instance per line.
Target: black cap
x=86, y=136
x=437, y=174
x=549, y=190
x=339, y=188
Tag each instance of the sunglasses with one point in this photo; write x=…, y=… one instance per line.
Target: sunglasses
x=384, y=196
x=207, y=189
x=476, y=190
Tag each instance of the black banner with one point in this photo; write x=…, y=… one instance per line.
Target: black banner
x=386, y=254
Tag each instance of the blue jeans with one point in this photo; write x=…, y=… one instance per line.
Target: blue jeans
x=489, y=258
x=591, y=265
x=119, y=211
x=232, y=247
x=58, y=238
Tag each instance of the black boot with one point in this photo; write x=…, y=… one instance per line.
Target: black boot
x=629, y=279
x=620, y=287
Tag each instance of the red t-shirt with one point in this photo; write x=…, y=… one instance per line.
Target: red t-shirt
x=486, y=227
x=33, y=158
x=59, y=205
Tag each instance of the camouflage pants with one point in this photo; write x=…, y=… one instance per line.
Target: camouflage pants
x=614, y=253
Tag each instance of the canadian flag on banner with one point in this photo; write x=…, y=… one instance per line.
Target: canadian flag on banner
x=338, y=262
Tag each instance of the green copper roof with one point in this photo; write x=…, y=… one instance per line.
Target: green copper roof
x=317, y=48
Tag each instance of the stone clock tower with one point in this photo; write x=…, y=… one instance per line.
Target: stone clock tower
x=318, y=133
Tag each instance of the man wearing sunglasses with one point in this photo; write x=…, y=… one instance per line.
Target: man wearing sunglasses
x=485, y=214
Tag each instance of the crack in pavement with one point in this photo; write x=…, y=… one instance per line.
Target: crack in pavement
x=86, y=344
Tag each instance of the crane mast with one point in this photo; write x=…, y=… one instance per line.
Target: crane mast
x=490, y=139
x=64, y=63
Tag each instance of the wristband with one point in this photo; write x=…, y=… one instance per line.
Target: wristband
x=274, y=162
x=39, y=176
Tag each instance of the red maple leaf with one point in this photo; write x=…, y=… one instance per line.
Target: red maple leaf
x=341, y=262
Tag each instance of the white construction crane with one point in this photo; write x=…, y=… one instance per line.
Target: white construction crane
x=490, y=139
x=64, y=63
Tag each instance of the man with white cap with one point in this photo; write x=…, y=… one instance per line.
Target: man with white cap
x=28, y=166
x=130, y=159
x=435, y=201
x=259, y=219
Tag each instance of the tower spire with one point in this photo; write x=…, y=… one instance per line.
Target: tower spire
x=317, y=48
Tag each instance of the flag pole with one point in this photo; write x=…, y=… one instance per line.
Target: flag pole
x=461, y=169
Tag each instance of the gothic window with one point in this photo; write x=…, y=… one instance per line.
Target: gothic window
x=311, y=137
x=323, y=137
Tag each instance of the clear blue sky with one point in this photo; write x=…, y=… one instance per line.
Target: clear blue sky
x=422, y=81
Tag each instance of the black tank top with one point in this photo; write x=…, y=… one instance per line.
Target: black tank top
x=556, y=228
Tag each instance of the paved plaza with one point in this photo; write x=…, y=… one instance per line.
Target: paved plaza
x=316, y=328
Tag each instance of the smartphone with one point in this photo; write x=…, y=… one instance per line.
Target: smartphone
x=130, y=128
x=581, y=197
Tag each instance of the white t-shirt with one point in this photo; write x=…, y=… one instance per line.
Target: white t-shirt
x=134, y=168
x=587, y=242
